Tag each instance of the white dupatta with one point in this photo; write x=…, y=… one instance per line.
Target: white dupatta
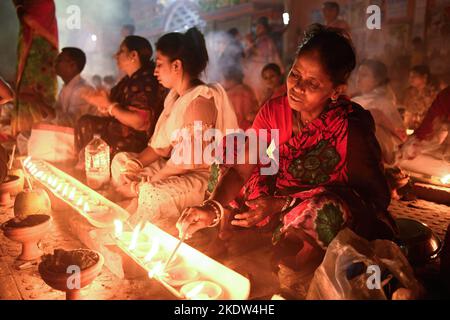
x=173, y=115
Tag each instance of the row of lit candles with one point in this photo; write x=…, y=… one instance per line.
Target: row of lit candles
x=57, y=185
x=158, y=270
x=68, y=192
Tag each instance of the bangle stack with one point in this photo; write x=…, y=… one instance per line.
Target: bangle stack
x=288, y=204
x=135, y=188
x=218, y=210
x=110, y=108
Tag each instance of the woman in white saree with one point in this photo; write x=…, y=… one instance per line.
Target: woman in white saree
x=160, y=185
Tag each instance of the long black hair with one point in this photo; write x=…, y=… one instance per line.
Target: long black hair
x=143, y=48
x=189, y=48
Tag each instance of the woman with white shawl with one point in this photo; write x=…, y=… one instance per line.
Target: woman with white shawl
x=377, y=97
x=161, y=180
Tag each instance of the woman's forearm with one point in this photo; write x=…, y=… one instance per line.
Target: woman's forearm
x=231, y=183
x=132, y=119
x=148, y=156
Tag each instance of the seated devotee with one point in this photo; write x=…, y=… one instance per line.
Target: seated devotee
x=132, y=108
x=330, y=11
x=273, y=80
x=241, y=97
x=419, y=96
x=160, y=184
x=427, y=151
x=329, y=165
x=97, y=81
x=6, y=94
x=70, y=105
x=377, y=97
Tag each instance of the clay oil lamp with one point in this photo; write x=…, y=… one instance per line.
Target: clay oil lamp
x=59, y=270
x=30, y=223
x=28, y=232
x=11, y=186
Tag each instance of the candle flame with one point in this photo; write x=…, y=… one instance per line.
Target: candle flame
x=118, y=228
x=72, y=194
x=65, y=191
x=34, y=170
x=39, y=174
x=80, y=202
x=156, y=271
x=59, y=187
x=195, y=291
x=27, y=160
x=86, y=208
x=409, y=132
x=153, y=251
x=55, y=182
x=446, y=179
x=134, y=237
x=50, y=180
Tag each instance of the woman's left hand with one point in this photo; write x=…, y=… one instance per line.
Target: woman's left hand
x=259, y=209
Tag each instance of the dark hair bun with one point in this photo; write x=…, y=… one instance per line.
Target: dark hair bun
x=189, y=48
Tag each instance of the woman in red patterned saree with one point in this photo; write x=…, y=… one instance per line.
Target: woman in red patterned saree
x=330, y=174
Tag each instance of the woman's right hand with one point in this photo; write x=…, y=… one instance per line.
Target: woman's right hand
x=194, y=219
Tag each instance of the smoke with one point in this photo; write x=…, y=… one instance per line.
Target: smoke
x=225, y=55
x=99, y=32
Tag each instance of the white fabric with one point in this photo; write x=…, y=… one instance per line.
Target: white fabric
x=69, y=104
x=388, y=120
x=162, y=202
x=172, y=117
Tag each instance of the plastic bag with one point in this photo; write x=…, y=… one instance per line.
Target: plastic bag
x=354, y=268
x=52, y=143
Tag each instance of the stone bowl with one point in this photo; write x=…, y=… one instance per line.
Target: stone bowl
x=28, y=236
x=61, y=281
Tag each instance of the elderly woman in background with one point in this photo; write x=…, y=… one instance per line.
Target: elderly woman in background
x=419, y=96
x=241, y=97
x=274, y=82
x=161, y=185
x=133, y=106
x=36, y=82
x=330, y=174
x=377, y=97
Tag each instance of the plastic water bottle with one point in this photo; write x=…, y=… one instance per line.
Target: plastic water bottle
x=97, y=163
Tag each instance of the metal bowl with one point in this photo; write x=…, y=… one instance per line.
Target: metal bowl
x=419, y=243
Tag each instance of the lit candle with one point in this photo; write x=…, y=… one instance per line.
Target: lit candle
x=59, y=187
x=50, y=180
x=86, y=208
x=135, y=237
x=65, y=191
x=153, y=251
x=195, y=293
x=156, y=271
x=72, y=194
x=55, y=182
x=80, y=202
x=446, y=179
x=118, y=228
